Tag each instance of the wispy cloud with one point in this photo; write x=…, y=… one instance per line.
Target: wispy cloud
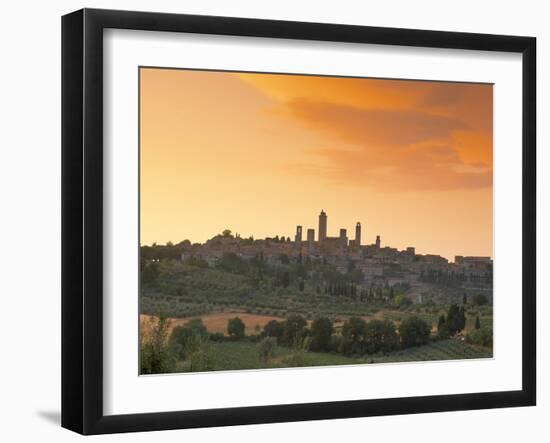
x=392, y=135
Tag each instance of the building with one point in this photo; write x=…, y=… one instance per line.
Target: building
x=377, y=262
x=310, y=238
x=298, y=236
x=344, y=236
x=322, y=226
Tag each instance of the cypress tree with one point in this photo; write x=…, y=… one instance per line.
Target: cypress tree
x=441, y=321
x=478, y=324
x=462, y=318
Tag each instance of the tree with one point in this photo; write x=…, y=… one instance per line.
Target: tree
x=200, y=358
x=294, y=329
x=443, y=328
x=456, y=319
x=266, y=350
x=402, y=300
x=321, y=334
x=301, y=285
x=414, y=332
x=380, y=336
x=353, y=335
x=235, y=328
x=462, y=318
x=182, y=336
x=274, y=329
x=231, y=262
x=297, y=357
x=464, y=299
x=441, y=321
x=478, y=324
x=155, y=357
x=226, y=233
x=149, y=272
x=285, y=279
x=480, y=300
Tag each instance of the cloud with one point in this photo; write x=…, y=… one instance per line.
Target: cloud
x=387, y=134
x=441, y=95
x=380, y=127
x=390, y=149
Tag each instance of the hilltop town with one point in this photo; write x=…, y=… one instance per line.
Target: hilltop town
x=376, y=262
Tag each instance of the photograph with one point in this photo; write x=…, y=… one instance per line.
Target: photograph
x=298, y=220
x=253, y=222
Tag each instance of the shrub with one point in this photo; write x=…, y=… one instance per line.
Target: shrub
x=414, y=332
x=481, y=337
x=198, y=354
x=181, y=335
x=217, y=337
x=155, y=355
x=274, y=329
x=149, y=272
x=402, y=301
x=300, y=348
x=266, y=349
x=480, y=300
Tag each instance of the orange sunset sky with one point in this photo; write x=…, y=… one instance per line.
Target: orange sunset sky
x=262, y=153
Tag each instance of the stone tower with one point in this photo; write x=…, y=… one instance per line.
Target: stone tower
x=310, y=238
x=357, y=234
x=298, y=236
x=344, y=237
x=322, y=226
x=377, y=242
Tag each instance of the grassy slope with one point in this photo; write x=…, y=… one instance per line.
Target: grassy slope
x=244, y=355
x=184, y=291
x=188, y=291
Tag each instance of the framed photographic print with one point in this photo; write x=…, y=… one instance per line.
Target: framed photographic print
x=269, y=221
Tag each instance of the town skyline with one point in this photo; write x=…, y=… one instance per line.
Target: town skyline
x=355, y=235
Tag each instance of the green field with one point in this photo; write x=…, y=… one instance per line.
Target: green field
x=439, y=350
x=183, y=291
x=244, y=355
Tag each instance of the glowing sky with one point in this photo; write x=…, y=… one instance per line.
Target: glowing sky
x=262, y=153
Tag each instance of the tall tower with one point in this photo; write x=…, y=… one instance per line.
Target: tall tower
x=344, y=237
x=357, y=234
x=377, y=242
x=310, y=237
x=298, y=236
x=322, y=226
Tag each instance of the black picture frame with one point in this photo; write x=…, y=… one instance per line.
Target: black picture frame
x=82, y=219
